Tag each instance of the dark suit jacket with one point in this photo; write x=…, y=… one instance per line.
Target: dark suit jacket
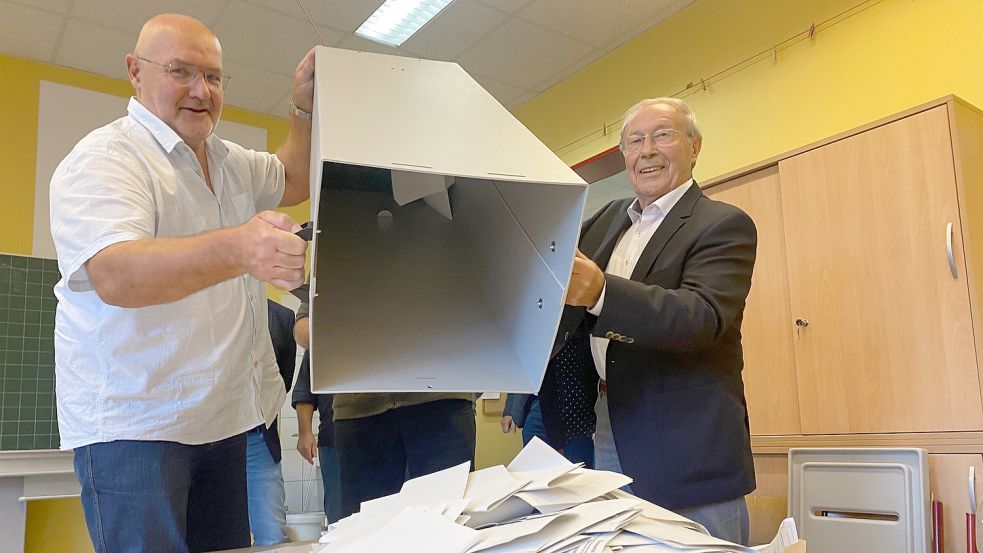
x=674, y=362
x=285, y=350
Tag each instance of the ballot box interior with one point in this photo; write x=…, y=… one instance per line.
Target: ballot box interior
x=443, y=242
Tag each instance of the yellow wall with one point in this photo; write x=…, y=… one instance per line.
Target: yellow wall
x=56, y=525
x=891, y=56
x=494, y=447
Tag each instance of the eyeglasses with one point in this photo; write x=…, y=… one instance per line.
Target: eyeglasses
x=185, y=74
x=661, y=137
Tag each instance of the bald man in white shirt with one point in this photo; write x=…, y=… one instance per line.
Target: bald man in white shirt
x=165, y=238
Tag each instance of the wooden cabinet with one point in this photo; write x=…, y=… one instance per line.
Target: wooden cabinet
x=858, y=322
x=889, y=346
x=864, y=325
x=769, y=375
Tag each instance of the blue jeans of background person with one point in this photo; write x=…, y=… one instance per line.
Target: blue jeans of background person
x=533, y=425
x=331, y=479
x=267, y=499
x=580, y=450
x=727, y=520
x=166, y=497
x=377, y=454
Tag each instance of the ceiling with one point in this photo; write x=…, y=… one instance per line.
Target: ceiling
x=516, y=49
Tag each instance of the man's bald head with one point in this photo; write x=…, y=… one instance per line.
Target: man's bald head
x=171, y=49
x=164, y=30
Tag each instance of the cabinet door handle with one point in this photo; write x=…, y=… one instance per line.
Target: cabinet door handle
x=948, y=251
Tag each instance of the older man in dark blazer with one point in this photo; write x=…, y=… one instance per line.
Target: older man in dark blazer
x=658, y=289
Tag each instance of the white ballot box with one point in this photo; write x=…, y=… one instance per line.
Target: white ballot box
x=444, y=232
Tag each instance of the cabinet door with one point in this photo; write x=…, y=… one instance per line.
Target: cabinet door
x=888, y=344
x=769, y=361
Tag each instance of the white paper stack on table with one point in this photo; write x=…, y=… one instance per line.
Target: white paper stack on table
x=540, y=503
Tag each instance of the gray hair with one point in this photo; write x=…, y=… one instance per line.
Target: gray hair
x=692, y=131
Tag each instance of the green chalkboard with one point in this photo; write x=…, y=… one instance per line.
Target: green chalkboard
x=27, y=353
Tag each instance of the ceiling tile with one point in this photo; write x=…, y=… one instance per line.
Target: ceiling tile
x=510, y=6
x=346, y=15
x=522, y=54
x=254, y=88
x=454, y=30
x=94, y=48
x=19, y=34
x=502, y=92
x=596, y=23
x=281, y=108
x=266, y=39
x=129, y=16
x=59, y=6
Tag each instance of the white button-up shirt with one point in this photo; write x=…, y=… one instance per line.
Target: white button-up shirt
x=626, y=252
x=196, y=370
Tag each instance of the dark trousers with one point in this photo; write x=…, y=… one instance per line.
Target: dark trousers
x=377, y=454
x=164, y=496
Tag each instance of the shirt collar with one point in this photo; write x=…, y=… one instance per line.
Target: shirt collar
x=165, y=136
x=661, y=206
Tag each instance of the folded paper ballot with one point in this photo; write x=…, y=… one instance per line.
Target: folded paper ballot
x=423, y=516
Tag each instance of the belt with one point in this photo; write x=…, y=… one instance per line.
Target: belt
x=602, y=387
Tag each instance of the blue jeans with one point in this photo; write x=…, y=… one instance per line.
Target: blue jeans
x=533, y=425
x=267, y=499
x=727, y=520
x=377, y=454
x=165, y=497
x=580, y=450
x=331, y=479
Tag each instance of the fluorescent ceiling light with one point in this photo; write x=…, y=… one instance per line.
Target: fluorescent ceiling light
x=397, y=20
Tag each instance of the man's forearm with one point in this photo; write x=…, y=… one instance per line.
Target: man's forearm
x=305, y=415
x=295, y=154
x=302, y=332
x=153, y=271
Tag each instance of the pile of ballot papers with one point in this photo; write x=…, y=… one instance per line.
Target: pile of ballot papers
x=540, y=503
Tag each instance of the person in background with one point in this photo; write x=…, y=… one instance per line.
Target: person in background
x=570, y=426
x=384, y=439
x=654, y=307
x=264, y=476
x=165, y=238
x=522, y=411
x=322, y=446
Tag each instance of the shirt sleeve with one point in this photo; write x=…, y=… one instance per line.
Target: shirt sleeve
x=302, y=388
x=596, y=310
x=99, y=196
